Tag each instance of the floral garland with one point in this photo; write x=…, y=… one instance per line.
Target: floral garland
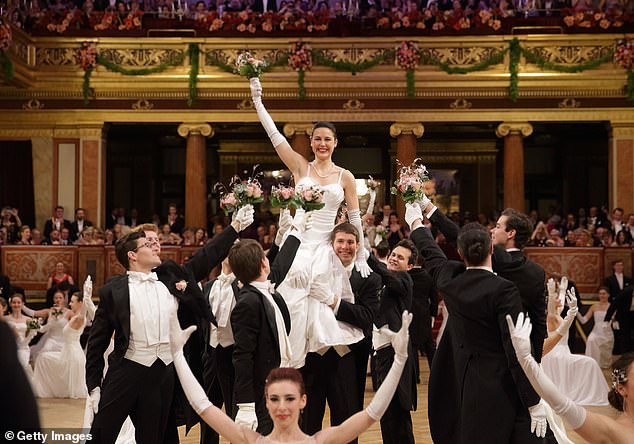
x=300, y=59
x=251, y=22
x=591, y=19
x=6, y=38
x=624, y=57
x=408, y=58
x=59, y=24
x=132, y=21
x=87, y=56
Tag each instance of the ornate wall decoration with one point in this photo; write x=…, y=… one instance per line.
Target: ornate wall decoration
x=230, y=56
x=353, y=105
x=569, y=102
x=30, y=267
x=353, y=55
x=460, y=104
x=582, y=265
x=569, y=54
x=140, y=57
x=460, y=55
x=33, y=104
x=55, y=56
x=246, y=104
x=142, y=105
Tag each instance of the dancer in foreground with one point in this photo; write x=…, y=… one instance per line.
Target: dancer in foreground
x=285, y=397
x=593, y=427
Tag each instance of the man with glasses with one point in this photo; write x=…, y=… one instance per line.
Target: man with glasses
x=136, y=307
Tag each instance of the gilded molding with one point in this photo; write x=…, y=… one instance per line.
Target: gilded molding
x=246, y=104
x=292, y=128
x=142, y=105
x=139, y=58
x=415, y=128
x=506, y=128
x=462, y=55
x=353, y=105
x=569, y=103
x=625, y=130
x=570, y=54
x=187, y=129
x=229, y=159
x=32, y=104
x=460, y=104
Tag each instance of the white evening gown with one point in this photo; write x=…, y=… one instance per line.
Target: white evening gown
x=317, y=272
x=576, y=376
x=53, y=339
x=62, y=374
x=24, y=352
x=600, y=341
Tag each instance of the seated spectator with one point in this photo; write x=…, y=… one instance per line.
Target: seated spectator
x=622, y=239
x=555, y=239
x=200, y=11
x=188, y=236
x=200, y=237
x=540, y=235
x=604, y=237
x=166, y=237
x=569, y=224
x=4, y=237
x=58, y=276
x=4, y=307
x=53, y=238
x=175, y=221
x=88, y=237
x=583, y=238
x=24, y=236
x=36, y=236
x=10, y=220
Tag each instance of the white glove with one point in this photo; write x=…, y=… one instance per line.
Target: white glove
x=299, y=220
x=246, y=416
x=283, y=225
x=94, y=397
x=552, y=296
x=360, y=263
x=574, y=415
x=384, y=394
x=242, y=218
x=539, y=422
x=370, y=209
x=88, y=288
x=571, y=298
x=423, y=202
x=194, y=392
x=413, y=213
x=563, y=287
x=263, y=115
x=571, y=315
x=615, y=325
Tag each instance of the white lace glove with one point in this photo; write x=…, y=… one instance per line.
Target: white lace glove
x=413, y=212
x=194, y=392
x=539, y=421
x=263, y=115
x=571, y=315
x=370, y=209
x=384, y=394
x=242, y=218
x=360, y=263
x=574, y=415
x=246, y=416
x=283, y=226
x=94, y=397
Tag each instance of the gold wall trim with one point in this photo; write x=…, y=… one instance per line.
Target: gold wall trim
x=506, y=128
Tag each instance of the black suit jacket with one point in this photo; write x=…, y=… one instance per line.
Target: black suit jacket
x=365, y=308
x=424, y=305
x=475, y=370
x=621, y=306
x=48, y=227
x=256, y=351
x=258, y=5
x=74, y=229
x=613, y=285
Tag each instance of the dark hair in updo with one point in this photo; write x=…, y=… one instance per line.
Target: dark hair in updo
x=327, y=125
x=285, y=374
x=474, y=243
x=620, y=368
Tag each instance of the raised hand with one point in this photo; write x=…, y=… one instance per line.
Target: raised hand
x=256, y=88
x=243, y=217
x=413, y=213
x=361, y=263
x=520, y=334
x=178, y=337
x=283, y=225
x=571, y=299
x=88, y=288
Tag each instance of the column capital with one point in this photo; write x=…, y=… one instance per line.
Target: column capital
x=189, y=128
x=399, y=128
x=298, y=128
x=622, y=129
x=506, y=128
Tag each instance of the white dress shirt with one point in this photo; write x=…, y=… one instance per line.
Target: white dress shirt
x=222, y=301
x=151, y=305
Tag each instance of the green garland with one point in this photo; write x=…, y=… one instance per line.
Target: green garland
x=495, y=59
x=113, y=67
x=350, y=66
x=301, y=91
x=411, y=83
x=514, y=60
x=538, y=60
x=86, y=85
x=194, y=60
x=7, y=66
x=630, y=85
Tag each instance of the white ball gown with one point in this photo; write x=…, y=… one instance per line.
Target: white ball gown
x=314, y=278
x=576, y=376
x=53, y=339
x=23, y=337
x=600, y=341
x=62, y=374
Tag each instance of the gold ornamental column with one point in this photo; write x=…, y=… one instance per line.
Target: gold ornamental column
x=621, y=166
x=196, y=172
x=406, y=134
x=514, y=133
x=299, y=133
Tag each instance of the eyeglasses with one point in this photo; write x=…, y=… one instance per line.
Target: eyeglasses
x=146, y=245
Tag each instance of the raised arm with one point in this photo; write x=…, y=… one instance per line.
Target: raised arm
x=196, y=396
x=354, y=215
x=592, y=427
x=360, y=422
x=295, y=162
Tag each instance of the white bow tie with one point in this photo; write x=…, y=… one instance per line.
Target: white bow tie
x=138, y=277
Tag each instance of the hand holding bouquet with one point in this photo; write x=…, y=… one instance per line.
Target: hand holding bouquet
x=281, y=196
x=250, y=67
x=409, y=185
x=308, y=197
x=243, y=192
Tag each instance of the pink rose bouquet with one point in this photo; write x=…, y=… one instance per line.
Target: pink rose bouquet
x=282, y=196
x=249, y=67
x=242, y=192
x=308, y=198
x=409, y=185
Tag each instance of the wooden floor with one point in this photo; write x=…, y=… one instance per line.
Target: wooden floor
x=68, y=413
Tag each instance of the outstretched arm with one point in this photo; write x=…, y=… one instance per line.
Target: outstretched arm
x=196, y=396
x=292, y=159
x=360, y=422
x=590, y=426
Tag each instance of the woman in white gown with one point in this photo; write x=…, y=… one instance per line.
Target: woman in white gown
x=577, y=376
x=601, y=339
x=56, y=319
x=316, y=271
x=62, y=374
x=23, y=334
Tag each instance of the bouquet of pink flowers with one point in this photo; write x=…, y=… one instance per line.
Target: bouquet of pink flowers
x=409, y=184
x=249, y=67
x=381, y=231
x=282, y=196
x=407, y=56
x=33, y=324
x=624, y=54
x=243, y=192
x=308, y=197
x=372, y=183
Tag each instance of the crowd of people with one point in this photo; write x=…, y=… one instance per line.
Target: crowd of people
x=26, y=13
x=278, y=335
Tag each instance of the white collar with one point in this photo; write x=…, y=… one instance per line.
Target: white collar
x=508, y=250
x=481, y=267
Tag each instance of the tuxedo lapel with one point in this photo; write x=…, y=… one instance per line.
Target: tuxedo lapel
x=121, y=295
x=269, y=311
